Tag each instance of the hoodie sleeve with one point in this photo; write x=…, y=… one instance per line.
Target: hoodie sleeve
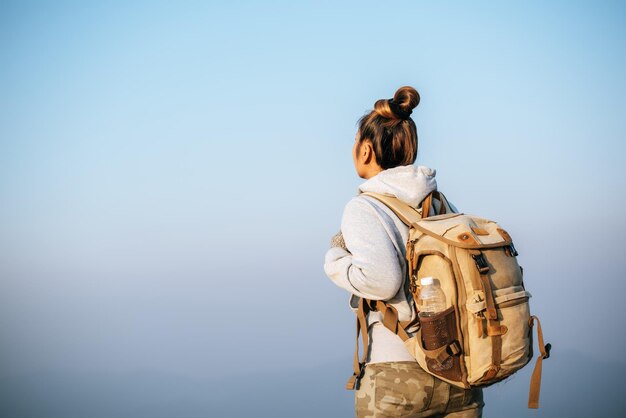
x=369, y=268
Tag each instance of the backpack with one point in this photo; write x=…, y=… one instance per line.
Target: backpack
x=485, y=334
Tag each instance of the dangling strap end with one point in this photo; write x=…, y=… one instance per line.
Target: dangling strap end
x=351, y=383
x=535, y=379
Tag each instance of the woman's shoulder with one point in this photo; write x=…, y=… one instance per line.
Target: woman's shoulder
x=367, y=208
x=360, y=204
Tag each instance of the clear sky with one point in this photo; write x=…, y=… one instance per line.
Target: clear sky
x=171, y=173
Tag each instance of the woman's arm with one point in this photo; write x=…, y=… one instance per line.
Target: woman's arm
x=369, y=268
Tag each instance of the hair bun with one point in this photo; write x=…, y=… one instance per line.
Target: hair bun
x=398, y=110
x=406, y=99
x=400, y=106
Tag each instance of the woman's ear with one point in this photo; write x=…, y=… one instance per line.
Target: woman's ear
x=367, y=152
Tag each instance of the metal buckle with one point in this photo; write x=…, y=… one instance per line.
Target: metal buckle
x=481, y=263
x=413, y=284
x=454, y=348
x=547, y=347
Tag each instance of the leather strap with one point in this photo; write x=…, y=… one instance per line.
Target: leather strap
x=480, y=322
x=496, y=351
x=535, y=379
x=444, y=205
x=361, y=328
x=426, y=204
x=411, y=259
x=494, y=329
x=390, y=321
x=406, y=213
x=490, y=301
x=440, y=354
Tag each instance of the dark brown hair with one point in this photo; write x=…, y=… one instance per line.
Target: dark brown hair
x=393, y=137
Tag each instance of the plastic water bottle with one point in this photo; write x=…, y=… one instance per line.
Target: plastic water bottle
x=432, y=299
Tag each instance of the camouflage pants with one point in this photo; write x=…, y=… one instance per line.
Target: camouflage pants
x=404, y=389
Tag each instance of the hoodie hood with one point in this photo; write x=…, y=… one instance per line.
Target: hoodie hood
x=408, y=183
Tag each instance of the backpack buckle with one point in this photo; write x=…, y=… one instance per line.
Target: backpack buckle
x=413, y=284
x=481, y=263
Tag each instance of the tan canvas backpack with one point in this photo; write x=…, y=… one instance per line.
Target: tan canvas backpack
x=485, y=334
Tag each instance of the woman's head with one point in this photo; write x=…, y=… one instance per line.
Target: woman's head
x=387, y=136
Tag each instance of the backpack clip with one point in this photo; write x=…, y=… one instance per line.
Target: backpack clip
x=413, y=284
x=510, y=250
x=481, y=264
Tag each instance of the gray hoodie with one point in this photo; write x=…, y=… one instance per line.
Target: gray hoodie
x=373, y=265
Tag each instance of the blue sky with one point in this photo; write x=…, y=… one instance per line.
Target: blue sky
x=170, y=173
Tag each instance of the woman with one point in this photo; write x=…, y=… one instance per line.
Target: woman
x=367, y=258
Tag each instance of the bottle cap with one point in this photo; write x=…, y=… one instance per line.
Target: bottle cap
x=426, y=281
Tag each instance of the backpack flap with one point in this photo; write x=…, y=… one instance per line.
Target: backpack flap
x=464, y=231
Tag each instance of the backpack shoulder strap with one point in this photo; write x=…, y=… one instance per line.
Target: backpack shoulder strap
x=406, y=213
